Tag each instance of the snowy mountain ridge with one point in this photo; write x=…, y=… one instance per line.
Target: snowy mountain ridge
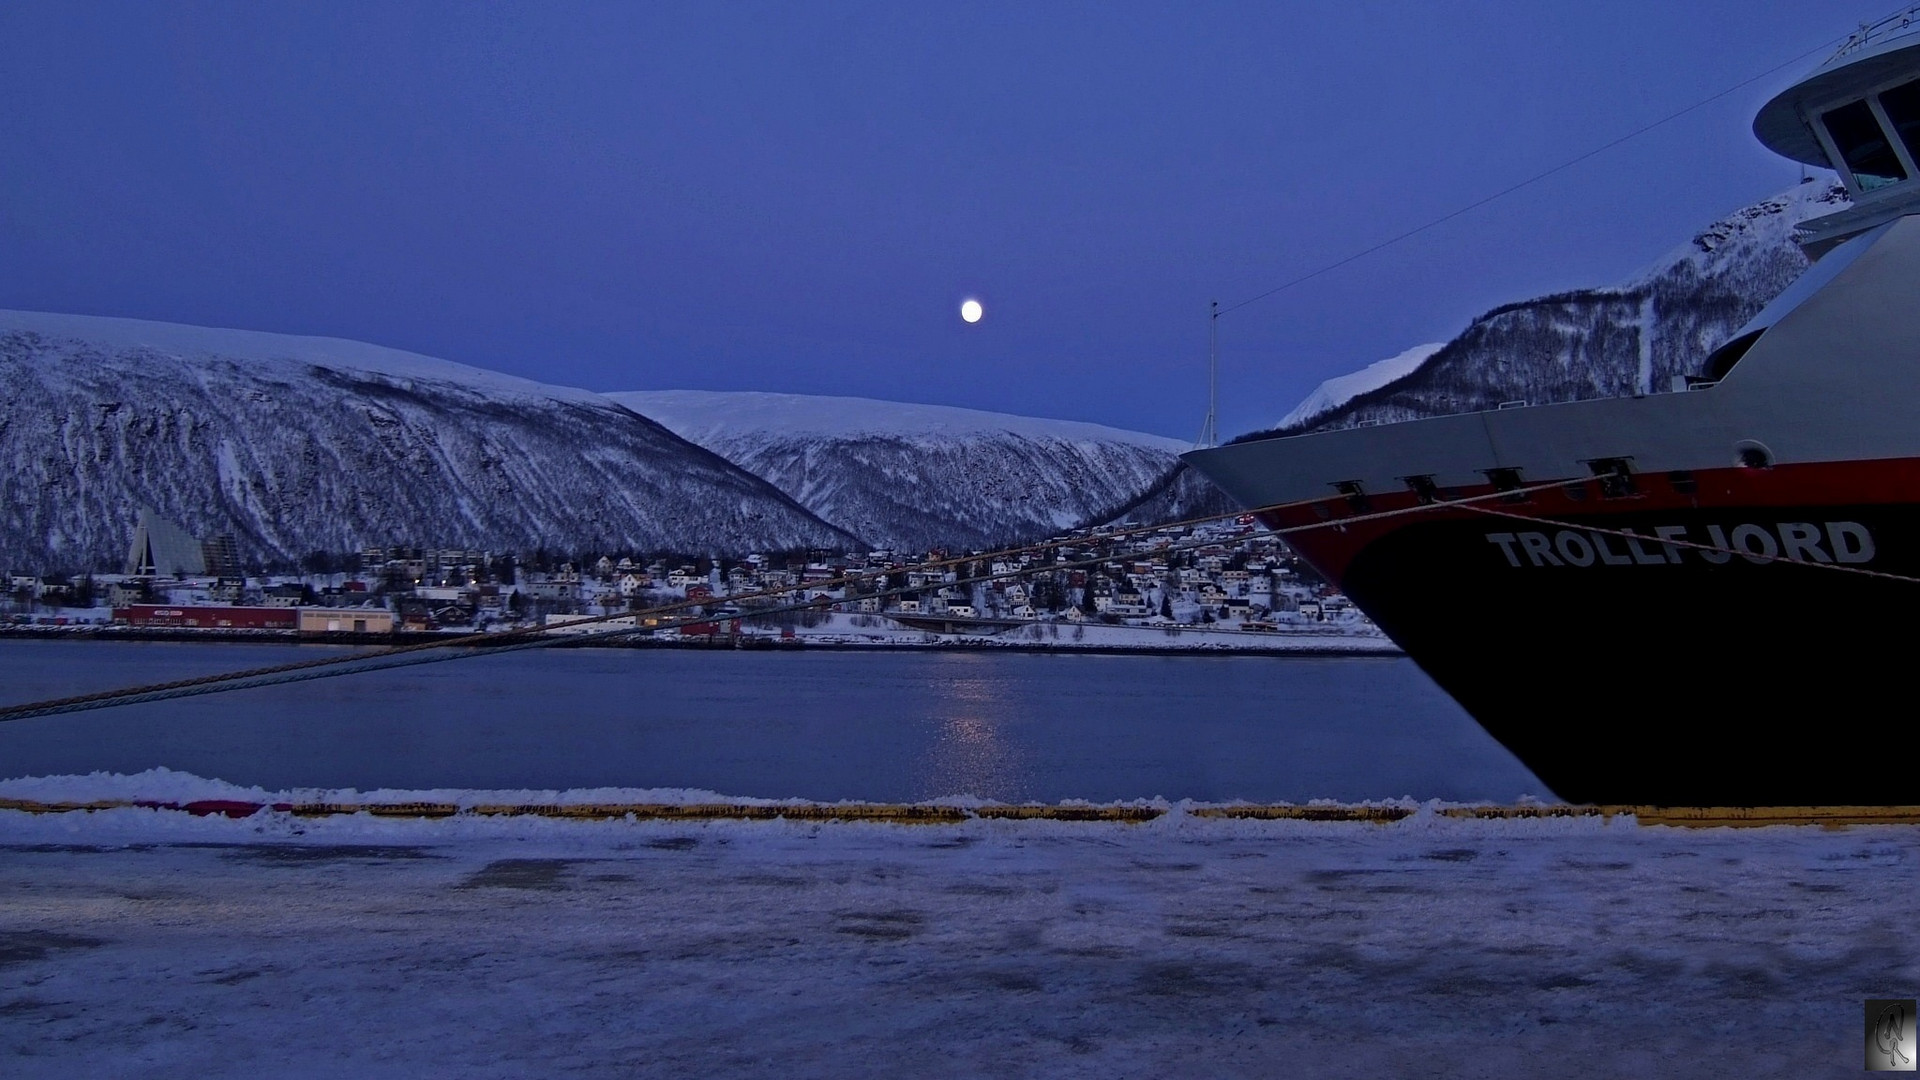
x=1605, y=342
x=1341, y=389
x=694, y=414
x=295, y=445
x=917, y=477
x=257, y=347
x=301, y=444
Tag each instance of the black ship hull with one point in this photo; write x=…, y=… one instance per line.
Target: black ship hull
x=1693, y=598
x=1740, y=638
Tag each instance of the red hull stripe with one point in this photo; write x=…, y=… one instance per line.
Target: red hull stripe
x=1332, y=546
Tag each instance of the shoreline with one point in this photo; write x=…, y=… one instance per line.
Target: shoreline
x=1366, y=648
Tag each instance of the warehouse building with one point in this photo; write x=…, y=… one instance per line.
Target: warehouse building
x=358, y=620
x=207, y=618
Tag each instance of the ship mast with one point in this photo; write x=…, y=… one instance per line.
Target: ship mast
x=1210, y=430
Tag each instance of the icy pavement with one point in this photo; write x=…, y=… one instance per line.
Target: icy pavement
x=150, y=943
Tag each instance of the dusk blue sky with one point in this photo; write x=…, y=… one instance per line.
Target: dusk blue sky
x=797, y=197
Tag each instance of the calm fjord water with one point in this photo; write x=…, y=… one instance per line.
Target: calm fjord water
x=819, y=725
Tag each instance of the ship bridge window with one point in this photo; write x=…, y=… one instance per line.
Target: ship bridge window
x=1868, y=153
x=1902, y=106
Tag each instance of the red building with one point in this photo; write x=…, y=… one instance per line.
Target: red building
x=209, y=618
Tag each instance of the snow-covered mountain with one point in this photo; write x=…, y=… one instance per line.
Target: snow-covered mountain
x=1596, y=343
x=915, y=477
x=298, y=444
x=1341, y=389
x=1179, y=495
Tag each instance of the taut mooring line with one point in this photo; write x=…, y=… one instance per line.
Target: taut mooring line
x=541, y=637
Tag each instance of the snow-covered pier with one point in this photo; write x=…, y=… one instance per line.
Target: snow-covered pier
x=139, y=941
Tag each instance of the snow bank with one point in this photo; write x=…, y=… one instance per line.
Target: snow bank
x=165, y=785
x=1351, y=638
x=143, y=942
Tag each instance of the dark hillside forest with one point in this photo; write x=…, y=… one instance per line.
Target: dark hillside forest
x=1600, y=343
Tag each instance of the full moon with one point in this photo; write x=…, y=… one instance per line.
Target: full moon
x=971, y=310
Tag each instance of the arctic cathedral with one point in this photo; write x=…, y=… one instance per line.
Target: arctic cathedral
x=163, y=549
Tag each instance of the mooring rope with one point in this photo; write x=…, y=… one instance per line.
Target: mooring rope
x=505, y=640
x=540, y=637
x=509, y=639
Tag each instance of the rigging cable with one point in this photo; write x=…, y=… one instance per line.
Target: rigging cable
x=1544, y=174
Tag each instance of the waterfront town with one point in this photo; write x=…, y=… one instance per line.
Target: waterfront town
x=1221, y=577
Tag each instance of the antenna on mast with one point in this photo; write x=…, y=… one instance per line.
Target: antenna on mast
x=1210, y=430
